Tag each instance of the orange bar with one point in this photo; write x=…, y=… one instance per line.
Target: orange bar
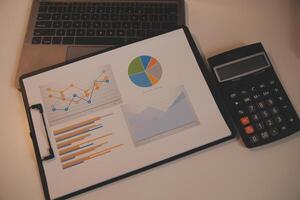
x=71, y=141
x=75, y=126
x=94, y=155
x=72, y=148
x=72, y=134
x=71, y=156
x=80, y=160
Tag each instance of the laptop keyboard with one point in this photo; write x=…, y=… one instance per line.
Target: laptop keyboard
x=108, y=23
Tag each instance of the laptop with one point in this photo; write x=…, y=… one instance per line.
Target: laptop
x=66, y=29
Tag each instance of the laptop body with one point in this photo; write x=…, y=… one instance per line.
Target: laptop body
x=61, y=30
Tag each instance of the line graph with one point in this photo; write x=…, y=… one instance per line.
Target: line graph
x=65, y=100
x=81, y=95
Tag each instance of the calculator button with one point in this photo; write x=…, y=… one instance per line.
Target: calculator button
x=236, y=103
x=241, y=112
x=262, y=85
x=247, y=100
x=274, y=110
x=272, y=82
x=270, y=102
x=249, y=129
x=245, y=121
x=266, y=93
x=265, y=114
x=274, y=131
x=276, y=90
x=254, y=139
x=285, y=107
x=255, y=117
x=278, y=119
x=259, y=126
x=251, y=108
x=264, y=135
x=233, y=95
x=280, y=98
x=261, y=105
x=269, y=122
x=283, y=128
x=253, y=89
x=256, y=96
x=292, y=120
x=244, y=92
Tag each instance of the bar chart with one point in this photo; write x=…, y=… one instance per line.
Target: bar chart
x=83, y=141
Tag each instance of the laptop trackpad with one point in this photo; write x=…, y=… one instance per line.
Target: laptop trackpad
x=75, y=52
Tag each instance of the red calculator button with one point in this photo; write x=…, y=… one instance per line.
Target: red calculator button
x=245, y=121
x=249, y=130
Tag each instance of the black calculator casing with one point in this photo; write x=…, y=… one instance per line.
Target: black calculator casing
x=259, y=105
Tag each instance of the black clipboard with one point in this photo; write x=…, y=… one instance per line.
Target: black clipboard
x=210, y=82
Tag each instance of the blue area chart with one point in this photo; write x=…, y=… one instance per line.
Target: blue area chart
x=153, y=122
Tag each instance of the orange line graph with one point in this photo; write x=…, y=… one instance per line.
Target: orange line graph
x=80, y=94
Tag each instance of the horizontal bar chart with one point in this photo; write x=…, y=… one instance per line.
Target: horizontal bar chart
x=82, y=141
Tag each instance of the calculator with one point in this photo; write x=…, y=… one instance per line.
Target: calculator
x=253, y=94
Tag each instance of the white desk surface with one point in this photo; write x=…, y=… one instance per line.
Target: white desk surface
x=227, y=171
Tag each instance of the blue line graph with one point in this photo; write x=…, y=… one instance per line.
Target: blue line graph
x=65, y=100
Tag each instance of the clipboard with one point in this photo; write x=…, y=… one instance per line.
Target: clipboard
x=112, y=114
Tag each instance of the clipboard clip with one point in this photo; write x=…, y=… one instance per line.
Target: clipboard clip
x=39, y=107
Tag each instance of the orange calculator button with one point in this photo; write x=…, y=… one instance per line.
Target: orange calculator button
x=245, y=121
x=249, y=129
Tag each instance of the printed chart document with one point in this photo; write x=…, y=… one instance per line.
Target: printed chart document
x=119, y=111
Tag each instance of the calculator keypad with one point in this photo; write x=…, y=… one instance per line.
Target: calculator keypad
x=262, y=111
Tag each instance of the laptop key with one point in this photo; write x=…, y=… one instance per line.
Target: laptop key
x=56, y=16
x=60, y=32
x=120, y=32
x=86, y=24
x=77, y=24
x=80, y=32
x=85, y=16
x=106, y=25
x=131, y=32
x=43, y=24
x=36, y=40
x=43, y=16
x=90, y=32
x=56, y=40
x=116, y=24
x=70, y=32
x=96, y=24
x=95, y=17
x=57, y=24
x=68, y=40
x=111, y=32
x=100, y=32
x=43, y=8
x=44, y=32
x=98, y=41
x=46, y=40
x=67, y=24
x=65, y=16
x=75, y=16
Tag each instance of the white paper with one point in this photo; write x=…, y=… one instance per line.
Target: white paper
x=117, y=105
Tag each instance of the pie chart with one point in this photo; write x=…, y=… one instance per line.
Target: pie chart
x=144, y=71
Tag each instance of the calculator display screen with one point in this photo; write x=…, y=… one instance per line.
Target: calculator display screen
x=241, y=67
